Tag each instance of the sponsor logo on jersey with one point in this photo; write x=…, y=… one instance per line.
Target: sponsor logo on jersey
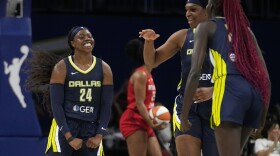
x=73, y=73
x=232, y=57
x=83, y=109
x=60, y=129
x=205, y=77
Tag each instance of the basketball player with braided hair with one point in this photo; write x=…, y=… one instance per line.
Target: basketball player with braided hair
x=80, y=88
x=241, y=82
x=39, y=69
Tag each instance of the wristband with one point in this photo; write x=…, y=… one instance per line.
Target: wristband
x=70, y=139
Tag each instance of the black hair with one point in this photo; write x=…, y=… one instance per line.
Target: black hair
x=72, y=33
x=39, y=69
x=134, y=50
x=271, y=122
x=217, y=7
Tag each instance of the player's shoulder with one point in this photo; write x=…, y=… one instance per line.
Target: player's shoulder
x=206, y=28
x=181, y=32
x=105, y=65
x=139, y=74
x=179, y=36
x=107, y=71
x=60, y=64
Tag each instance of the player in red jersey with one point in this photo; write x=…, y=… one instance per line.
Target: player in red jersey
x=135, y=123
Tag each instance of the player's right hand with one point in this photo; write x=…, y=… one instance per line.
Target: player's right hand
x=158, y=126
x=148, y=34
x=76, y=143
x=185, y=123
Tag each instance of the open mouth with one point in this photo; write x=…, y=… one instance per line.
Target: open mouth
x=191, y=22
x=88, y=44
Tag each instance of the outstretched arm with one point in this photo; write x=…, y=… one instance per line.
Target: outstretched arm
x=154, y=57
x=149, y=48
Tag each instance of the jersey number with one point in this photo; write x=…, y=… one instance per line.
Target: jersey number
x=153, y=96
x=85, y=94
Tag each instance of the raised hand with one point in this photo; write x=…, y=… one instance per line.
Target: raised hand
x=148, y=34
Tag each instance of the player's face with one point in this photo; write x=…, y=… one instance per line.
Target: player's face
x=195, y=14
x=83, y=41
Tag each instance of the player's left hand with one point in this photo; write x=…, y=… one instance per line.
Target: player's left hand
x=94, y=142
x=203, y=94
x=185, y=123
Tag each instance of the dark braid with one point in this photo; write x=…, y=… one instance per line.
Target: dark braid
x=134, y=50
x=39, y=69
x=247, y=60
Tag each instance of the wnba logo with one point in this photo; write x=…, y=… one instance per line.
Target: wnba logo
x=13, y=71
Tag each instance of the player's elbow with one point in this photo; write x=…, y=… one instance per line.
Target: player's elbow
x=194, y=74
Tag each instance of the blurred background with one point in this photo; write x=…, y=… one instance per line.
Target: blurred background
x=44, y=24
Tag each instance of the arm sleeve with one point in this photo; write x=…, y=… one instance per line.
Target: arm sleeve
x=57, y=99
x=105, y=109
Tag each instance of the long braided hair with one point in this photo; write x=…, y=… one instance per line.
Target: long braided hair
x=39, y=69
x=248, y=62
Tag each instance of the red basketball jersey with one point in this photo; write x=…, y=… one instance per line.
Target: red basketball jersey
x=150, y=92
